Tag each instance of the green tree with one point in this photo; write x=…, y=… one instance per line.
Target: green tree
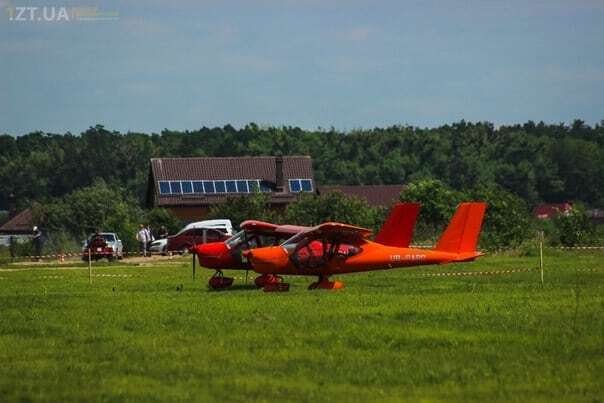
x=97, y=207
x=241, y=208
x=438, y=204
x=507, y=222
x=312, y=209
x=158, y=217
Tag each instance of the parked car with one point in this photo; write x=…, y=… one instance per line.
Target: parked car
x=103, y=245
x=159, y=246
x=199, y=232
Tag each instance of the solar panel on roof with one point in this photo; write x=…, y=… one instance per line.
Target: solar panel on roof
x=306, y=185
x=187, y=186
x=220, y=187
x=198, y=187
x=164, y=187
x=175, y=187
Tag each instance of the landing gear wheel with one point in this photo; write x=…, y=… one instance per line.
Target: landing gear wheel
x=275, y=283
x=325, y=284
x=265, y=279
x=219, y=282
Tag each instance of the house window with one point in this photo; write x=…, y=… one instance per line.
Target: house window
x=220, y=188
x=187, y=186
x=198, y=187
x=294, y=185
x=175, y=187
x=253, y=186
x=306, y=185
x=164, y=187
x=242, y=187
x=265, y=186
x=208, y=186
x=231, y=186
x=300, y=185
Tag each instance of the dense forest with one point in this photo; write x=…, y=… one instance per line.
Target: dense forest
x=537, y=162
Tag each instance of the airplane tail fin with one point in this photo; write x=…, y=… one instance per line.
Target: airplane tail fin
x=398, y=228
x=461, y=236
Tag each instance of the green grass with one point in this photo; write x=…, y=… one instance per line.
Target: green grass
x=388, y=336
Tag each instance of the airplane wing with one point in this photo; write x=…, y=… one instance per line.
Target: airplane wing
x=260, y=225
x=335, y=227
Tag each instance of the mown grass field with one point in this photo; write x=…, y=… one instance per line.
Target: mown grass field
x=388, y=336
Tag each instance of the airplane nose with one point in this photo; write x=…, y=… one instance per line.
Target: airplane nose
x=268, y=260
x=210, y=254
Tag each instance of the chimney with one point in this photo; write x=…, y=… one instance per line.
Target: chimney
x=12, y=206
x=279, y=186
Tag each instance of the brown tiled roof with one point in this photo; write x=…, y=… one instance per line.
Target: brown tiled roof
x=376, y=195
x=224, y=168
x=22, y=223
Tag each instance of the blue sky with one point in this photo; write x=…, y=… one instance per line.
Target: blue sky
x=348, y=64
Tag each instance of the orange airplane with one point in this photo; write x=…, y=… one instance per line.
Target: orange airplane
x=334, y=248
x=396, y=231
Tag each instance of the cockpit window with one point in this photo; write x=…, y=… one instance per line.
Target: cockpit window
x=236, y=240
x=313, y=250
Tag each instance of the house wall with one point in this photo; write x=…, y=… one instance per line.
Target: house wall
x=189, y=213
x=197, y=213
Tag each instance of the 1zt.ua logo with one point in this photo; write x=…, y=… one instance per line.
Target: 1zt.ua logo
x=28, y=14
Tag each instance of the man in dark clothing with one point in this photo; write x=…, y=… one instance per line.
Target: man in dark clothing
x=38, y=241
x=12, y=245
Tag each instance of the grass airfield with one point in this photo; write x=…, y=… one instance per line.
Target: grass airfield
x=145, y=331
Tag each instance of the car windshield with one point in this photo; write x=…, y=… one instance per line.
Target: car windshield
x=106, y=237
x=235, y=240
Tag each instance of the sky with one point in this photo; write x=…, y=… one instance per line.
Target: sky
x=138, y=65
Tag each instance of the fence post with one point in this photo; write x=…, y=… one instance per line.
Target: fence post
x=89, y=266
x=193, y=254
x=541, y=237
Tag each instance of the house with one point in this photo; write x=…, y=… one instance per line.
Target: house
x=189, y=187
x=375, y=195
x=550, y=210
x=19, y=227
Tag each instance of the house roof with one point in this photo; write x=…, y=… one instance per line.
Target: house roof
x=376, y=195
x=263, y=168
x=550, y=210
x=22, y=223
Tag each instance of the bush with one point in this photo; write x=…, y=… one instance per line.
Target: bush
x=575, y=228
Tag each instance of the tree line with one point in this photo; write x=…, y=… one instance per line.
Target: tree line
x=537, y=162
x=98, y=179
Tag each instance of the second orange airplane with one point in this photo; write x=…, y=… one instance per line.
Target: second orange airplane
x=334, y=248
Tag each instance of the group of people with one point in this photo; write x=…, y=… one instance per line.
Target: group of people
x=144, y=236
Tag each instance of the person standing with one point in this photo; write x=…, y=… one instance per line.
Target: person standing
x=13, y=248
x=163, y=232
x=141, y=237
x=38, y=241
x=150, y=238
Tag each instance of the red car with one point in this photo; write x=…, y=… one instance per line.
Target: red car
x=200, y=232
x=102, y=245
